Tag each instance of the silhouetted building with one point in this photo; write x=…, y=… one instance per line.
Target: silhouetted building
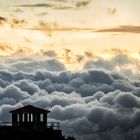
x=30, y=122
x=29, y=116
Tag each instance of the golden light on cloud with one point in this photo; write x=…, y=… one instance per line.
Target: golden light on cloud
x=77, y=31
x=105, y=56
x=135, y=56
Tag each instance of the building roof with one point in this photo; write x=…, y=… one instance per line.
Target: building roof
x=29, y=109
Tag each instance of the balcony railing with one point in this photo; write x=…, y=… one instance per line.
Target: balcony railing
x=5, y=123
x=51, y=125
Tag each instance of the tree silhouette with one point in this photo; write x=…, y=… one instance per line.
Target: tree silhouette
x=70, y=138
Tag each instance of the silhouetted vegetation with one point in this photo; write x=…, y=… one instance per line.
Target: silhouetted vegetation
x=70, y=138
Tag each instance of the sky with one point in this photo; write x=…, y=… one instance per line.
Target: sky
x=78, y=25
x=78, y=58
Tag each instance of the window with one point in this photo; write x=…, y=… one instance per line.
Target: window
x=28, y=117
x=31, y=117
x=41, y=117
x=17, y=117
x=23, y=117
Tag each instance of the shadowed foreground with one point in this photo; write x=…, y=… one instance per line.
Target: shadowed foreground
x=30, y=123
x=15, y=133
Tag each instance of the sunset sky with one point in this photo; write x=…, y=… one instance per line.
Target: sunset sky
x=79, y=58
x=78, y=25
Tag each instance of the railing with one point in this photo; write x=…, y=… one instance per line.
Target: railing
x=54, y=125
x=5, y=123
x=51, y=125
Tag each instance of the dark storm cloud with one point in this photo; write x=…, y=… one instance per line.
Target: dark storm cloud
x=27, y=86
x=4, y=111
x=110, y=117
x=86, y=83
x=124, y=29
x=92, y=104
x=12, y=91
x=11, y=95
x=120, y=60
x=98, y=77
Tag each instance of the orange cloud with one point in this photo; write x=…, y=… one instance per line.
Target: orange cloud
x=36, y=5
x=8, y=50
x=125, y=29
x=17, y=22
x=3, y=20
x=5, y=49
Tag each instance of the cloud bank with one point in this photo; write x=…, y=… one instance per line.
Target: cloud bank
x=90, y=104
